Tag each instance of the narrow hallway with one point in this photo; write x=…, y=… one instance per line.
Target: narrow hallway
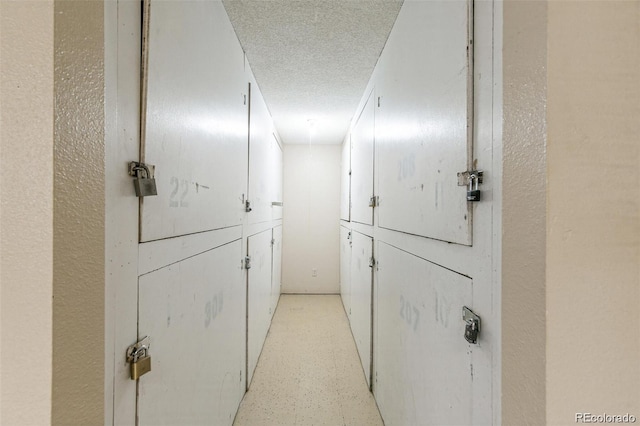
x=309, y=372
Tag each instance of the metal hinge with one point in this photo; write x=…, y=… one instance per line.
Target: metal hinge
x=374, y=201
x=247, y=262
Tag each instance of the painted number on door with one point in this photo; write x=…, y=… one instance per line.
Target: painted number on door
x=177, y=197
x=409, y=313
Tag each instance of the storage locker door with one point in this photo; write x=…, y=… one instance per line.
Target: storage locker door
x=259, y=297
x=362, y=165
x=423, y=362
x=345, y=269
x=423, y=124
x=276, y=281
x=361, y=298
x=276, y=172
x=262, y=182
x=196, y=120
x=193, y=312
x=345, y=180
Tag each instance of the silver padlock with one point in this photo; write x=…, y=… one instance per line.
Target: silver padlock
x=144, y=183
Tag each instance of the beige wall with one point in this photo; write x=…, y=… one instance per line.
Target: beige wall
x=523, y=214
x=311, y=215
x=26, y=201
x=593, y=209
x=78, y=219
x=571, y=265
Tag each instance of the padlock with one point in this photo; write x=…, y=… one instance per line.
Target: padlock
x=473, y=194
x=472, y=325
x=471, y=331
x=141, y=363
x=144, y=185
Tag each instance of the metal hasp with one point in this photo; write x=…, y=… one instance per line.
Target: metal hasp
x=144, y=182
x=472, y=325
x=247, y=206
x=372, y=262
x=139, y=359
x=374, y=201
x=247, y=262
x=277, y=203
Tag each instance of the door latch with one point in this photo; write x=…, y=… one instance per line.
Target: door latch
x=139, y=359
x=472, y=325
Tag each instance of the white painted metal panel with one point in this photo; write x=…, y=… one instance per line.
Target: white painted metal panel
x=193, y=312
x=276, y=174
x=423, y=363
x=157, y=254
x=362, y=142
x=263, y=149
x=361, y=298
x=196, y=120
x=345, y=269
x=345, y=180
x=276, y=279
x=259, y=297
x=423, y=122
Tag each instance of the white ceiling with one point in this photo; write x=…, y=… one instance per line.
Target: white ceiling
x=312, y=59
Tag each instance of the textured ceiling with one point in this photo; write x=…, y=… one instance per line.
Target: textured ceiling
x=312, y=59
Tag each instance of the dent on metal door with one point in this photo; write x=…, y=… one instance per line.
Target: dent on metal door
x=196, y=120
x=193, y=312
x=423, y=362
x=424, y=121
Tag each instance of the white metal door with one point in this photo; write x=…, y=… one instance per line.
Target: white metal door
x=345, y=180
x=345, y=269
x=424, y=121
x=361, y=298
x=195, y=130
x=276, y=279
x=193, y=312
x=277, y=175
x=362, y=142
x=192, y=297
x=259, y=297
x=265, y=156
x=424, y=366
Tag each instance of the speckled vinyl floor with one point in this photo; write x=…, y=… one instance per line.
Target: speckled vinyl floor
x=309, y=372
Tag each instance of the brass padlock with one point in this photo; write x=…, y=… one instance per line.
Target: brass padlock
x=141, y=363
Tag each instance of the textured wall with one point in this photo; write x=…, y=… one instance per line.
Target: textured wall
x=593, y=232
x=78, y=219
x=311, y=215
x=524, y=225
x=26, y=202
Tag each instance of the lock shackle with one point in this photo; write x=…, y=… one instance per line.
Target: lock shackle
x=472, y=178
x=144, y=168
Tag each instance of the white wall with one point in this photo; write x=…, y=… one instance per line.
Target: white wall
x=311, y=219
